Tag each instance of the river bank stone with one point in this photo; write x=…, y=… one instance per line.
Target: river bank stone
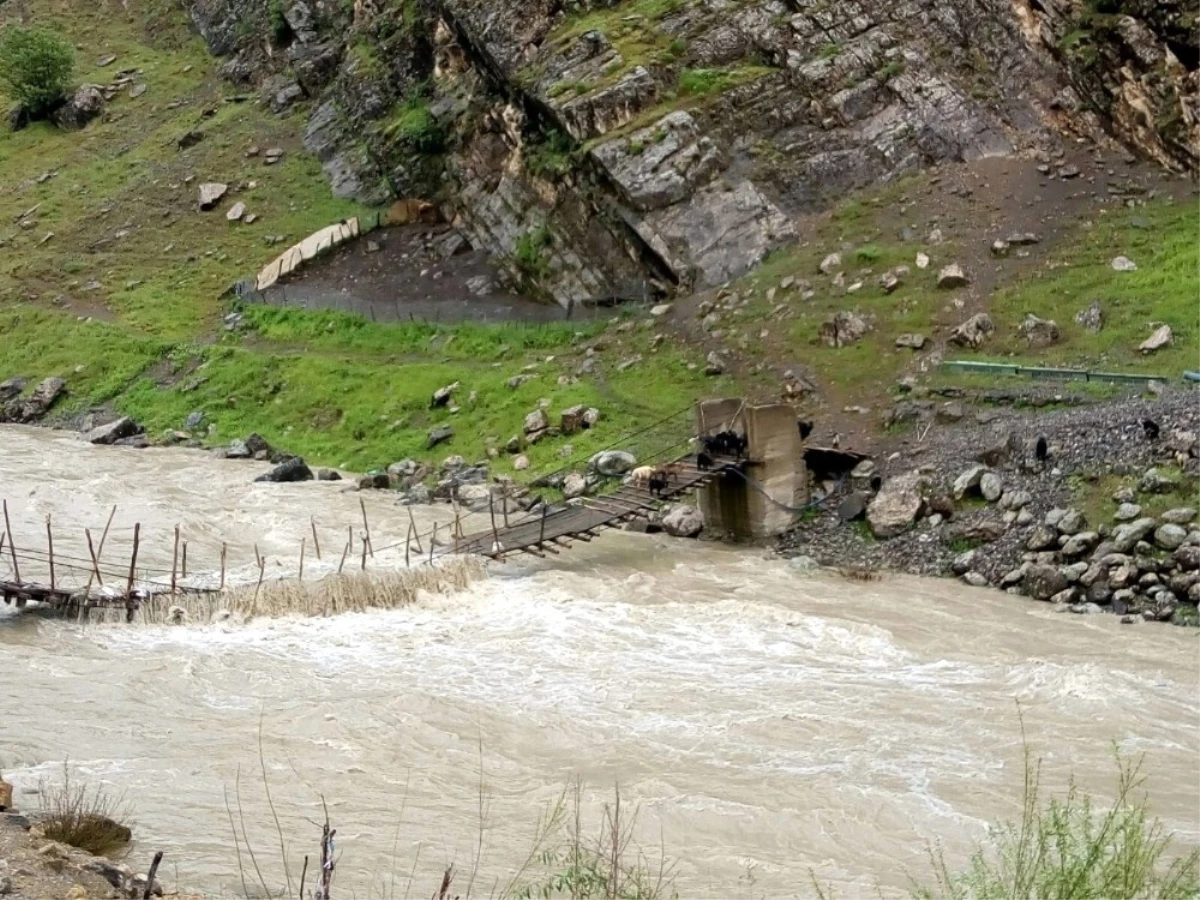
x=896, y=507
x=294, y=469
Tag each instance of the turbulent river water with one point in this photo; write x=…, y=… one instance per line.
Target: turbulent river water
x=766, y=723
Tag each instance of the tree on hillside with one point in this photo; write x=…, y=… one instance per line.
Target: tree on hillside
x=35, y=68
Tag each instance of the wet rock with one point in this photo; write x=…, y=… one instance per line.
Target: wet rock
x=1127, y=512
x=438, y=435
x=113, y=431
x=375, y=480
x=973, y=332
x=1123, y=264
x=911, y=341
x=683, y=521
x=844, y=329
x=295, y=469
x=612, y=463
x=1043, y=581
x=1039, y=332
x=1162, y=336
x=11, y=388
x=1169, y=537
x=211, y=193
x=257, y=444
x=952, y=276
x=1091, y=318
x=962, y=563
x=38, y=403
x=805, y=565
x=896, y=507
x=328, y=475
x=1126, y=536
x=976, y=579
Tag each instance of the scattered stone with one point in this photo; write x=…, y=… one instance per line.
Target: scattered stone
x=627, y=364
x=591, y=416
x=911, y=341
x=521, y=463
x=189, y=140
x=1043, y=538
x=661, y=310
x=968, y=481
x=951, y=411
x=376, y=480
x=236, y=211
x=294, y=469
x=1155, y=482
x=962, y=563
x=1072, y=521
x=896, y=507
x=84, y=105
x=973, y=332
x=952, y=276
x=536, y=421
x=853, y=507
x=438, y=435
x=922, y=261
x=1016, y=500
x=830, y=263
x=1023, y=239
x=1079, y=544
x=1091, y=318
x=889, y=281
x=113, y=431
x=328, y=475
x=574, y=485
x=517, y=380
x=1123, y=264
x=1159, y=338
x=1039, y=332
x=976, y=579
x=805, y=565
x=1124, y=495
x=1127, y=512
x=714, y=364
x=683, y=521
x=1179, y=516
x=843, y=329
x=38, y=403
x=211, y=194
x=1000, y=247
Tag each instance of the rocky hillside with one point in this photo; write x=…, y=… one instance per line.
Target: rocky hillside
x=619, y=148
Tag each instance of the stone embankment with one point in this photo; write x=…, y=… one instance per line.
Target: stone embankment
x=1090, y=508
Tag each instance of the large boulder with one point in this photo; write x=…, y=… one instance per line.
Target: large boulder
x=1170, y=537
x=896, y=507
x=84, y=105
x=438, y=435
x=536, y=421
x=683, y=521
x=1044, y=581
x=37, y=404
x=843, y=329
x=952, y=276
x=574, y=485
x=968, y=481
x=113, y=431
x=11, y=388
x=612, y=463
x=973, y=332
x=1039, y=332
x=1159, y=338
x=295, y=469
x=1124, y=537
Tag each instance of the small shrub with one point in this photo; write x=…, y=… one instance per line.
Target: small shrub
x=528, y=254
x=892, y=70
x=415, y=127
x=830, y=51
x=702, y=82
x=35, y=67
x=868, y=253
x=550, y=155
x=83, y=817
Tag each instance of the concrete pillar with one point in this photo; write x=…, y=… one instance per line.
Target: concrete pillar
x=730, y=505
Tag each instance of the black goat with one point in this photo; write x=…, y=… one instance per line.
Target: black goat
x=658, y=483
x=704, y=461
x=1042, y=451
x=1151, y=429
x=806, y=428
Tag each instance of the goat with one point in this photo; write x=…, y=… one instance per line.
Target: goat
x=658, y=483
x=1151, y=429
x=704, y=462
x=1042, y=450
x=806, y=428
x=640, y=477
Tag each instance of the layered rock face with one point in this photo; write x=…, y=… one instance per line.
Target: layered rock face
x=612, y=149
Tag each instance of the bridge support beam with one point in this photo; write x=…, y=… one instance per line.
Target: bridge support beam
x=730, y=505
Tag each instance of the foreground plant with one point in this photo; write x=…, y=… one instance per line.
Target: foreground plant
x=35, y=67
x=84, y=816
x=1067, y=849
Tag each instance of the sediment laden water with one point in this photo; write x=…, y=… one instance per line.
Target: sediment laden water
x=767, y=723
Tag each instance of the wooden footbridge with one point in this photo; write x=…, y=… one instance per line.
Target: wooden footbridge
x=552, y=529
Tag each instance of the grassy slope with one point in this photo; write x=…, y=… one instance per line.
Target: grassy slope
x=340, y=390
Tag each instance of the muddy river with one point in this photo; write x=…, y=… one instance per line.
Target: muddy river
x=766, y=723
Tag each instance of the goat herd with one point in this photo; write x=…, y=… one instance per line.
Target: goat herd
x=657, y=479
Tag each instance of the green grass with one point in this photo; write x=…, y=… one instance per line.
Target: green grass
x=1166, y=248
x=1094, y=497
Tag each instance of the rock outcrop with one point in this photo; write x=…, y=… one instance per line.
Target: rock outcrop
x=604, y=151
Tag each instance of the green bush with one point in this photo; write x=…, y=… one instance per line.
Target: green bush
x=415, y=126
x=529, y=257
x=35, y=67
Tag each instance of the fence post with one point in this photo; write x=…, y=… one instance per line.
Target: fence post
x=50, y=548
x=12, y=545
x=316, y=540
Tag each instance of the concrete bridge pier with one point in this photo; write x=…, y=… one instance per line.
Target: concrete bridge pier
x=732, y=507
